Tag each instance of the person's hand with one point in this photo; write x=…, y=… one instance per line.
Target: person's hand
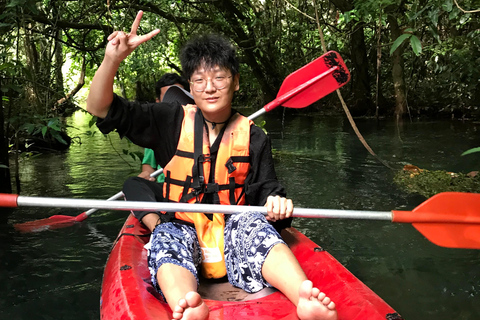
x=146, y=175
x=121, y=44
x=278, y=208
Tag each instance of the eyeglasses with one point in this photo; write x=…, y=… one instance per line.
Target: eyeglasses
x=200, y=84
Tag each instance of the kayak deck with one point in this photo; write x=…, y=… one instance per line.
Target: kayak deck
x=127, y=292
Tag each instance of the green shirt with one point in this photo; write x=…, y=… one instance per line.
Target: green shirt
x=149, y=158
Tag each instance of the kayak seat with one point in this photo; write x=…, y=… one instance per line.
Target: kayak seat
x=225, y=291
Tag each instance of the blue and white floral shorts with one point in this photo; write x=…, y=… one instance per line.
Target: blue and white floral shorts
x=248, y=240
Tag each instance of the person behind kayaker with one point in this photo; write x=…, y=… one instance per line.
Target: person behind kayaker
x=210, y=154
x=149, y=163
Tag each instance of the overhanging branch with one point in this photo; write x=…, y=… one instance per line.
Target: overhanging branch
x=68, y=24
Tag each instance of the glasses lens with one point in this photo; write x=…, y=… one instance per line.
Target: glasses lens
x=199, y=85
x=219, y=83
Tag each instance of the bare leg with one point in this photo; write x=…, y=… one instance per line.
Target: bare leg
x=179, y=287
x=282, y=270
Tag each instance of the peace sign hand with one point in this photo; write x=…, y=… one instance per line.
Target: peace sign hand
x=120, y=44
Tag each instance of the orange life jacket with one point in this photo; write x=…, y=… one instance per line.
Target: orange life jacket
x=187, y=180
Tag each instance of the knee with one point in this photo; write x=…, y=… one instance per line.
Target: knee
x=132, y=183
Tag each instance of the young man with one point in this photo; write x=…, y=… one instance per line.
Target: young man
x=166, y=81
x=210, y=154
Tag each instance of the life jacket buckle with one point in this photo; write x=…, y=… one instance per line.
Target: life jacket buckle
x=230, y=166
x=205, y=158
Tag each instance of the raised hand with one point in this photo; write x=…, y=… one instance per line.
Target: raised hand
x=121, y=44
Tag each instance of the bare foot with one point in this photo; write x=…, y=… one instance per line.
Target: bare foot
x=313, y=304
x=191, y=308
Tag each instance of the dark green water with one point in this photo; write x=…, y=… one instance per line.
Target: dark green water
x=57, y=274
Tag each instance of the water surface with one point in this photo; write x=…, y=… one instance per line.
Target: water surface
x=57, y=274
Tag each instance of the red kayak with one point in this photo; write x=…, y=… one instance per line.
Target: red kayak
x=127, y=292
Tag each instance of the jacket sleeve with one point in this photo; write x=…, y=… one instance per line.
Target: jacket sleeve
x=262, y=179
x=149, y=125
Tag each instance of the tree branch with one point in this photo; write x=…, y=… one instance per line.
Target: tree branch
x=154, y=9
x=465, y=11
x=69, y=25
x=81, y=82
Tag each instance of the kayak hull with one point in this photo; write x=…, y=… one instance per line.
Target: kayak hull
x=127, y=292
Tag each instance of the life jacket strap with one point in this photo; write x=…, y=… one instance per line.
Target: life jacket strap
x=184, y=154
x=167, y=184
x=230, y=167
x=231, y=187
x=197, y=169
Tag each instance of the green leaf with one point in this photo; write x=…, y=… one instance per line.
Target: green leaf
x=448, y=6
x=399, y=41
x=6, y=65
x=44, y=130
x=54, y=124
x=92, y=121
x=473, y=150
x=138, y=154
x=58, y=137
x=15, y=3
x=416, y=44
x=29, y=127
x=2, y=166
x=464, y=18
x=435, y=34
x=433, y=15
x=453, y=14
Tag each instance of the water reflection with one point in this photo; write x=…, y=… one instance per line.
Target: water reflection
x=329, y=168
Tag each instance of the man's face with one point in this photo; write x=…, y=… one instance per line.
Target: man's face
x=164, y=89
x=215, y=96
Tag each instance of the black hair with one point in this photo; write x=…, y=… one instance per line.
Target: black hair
x=208, y=50
x=169, y=79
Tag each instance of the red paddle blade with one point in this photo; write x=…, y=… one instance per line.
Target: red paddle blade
x=315, y=80
x=448, y=219
x=54, y=222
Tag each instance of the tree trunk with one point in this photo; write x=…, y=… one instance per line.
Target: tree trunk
x=5, y=184
x=58, y=53
x=246, y=40
x=360, y=81
x=39, y=64
x=32, y=64
x=397, y=69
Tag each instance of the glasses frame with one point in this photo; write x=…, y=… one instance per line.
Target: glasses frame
x=206, y=83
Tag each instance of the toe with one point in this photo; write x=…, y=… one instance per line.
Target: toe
x=182, y=303
x=193, y=299
x=331, y=305
x=177, y=315
x=321, y=296
x=305, y=290
x=326, y=301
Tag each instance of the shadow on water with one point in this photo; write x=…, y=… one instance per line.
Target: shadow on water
x=57, y=274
